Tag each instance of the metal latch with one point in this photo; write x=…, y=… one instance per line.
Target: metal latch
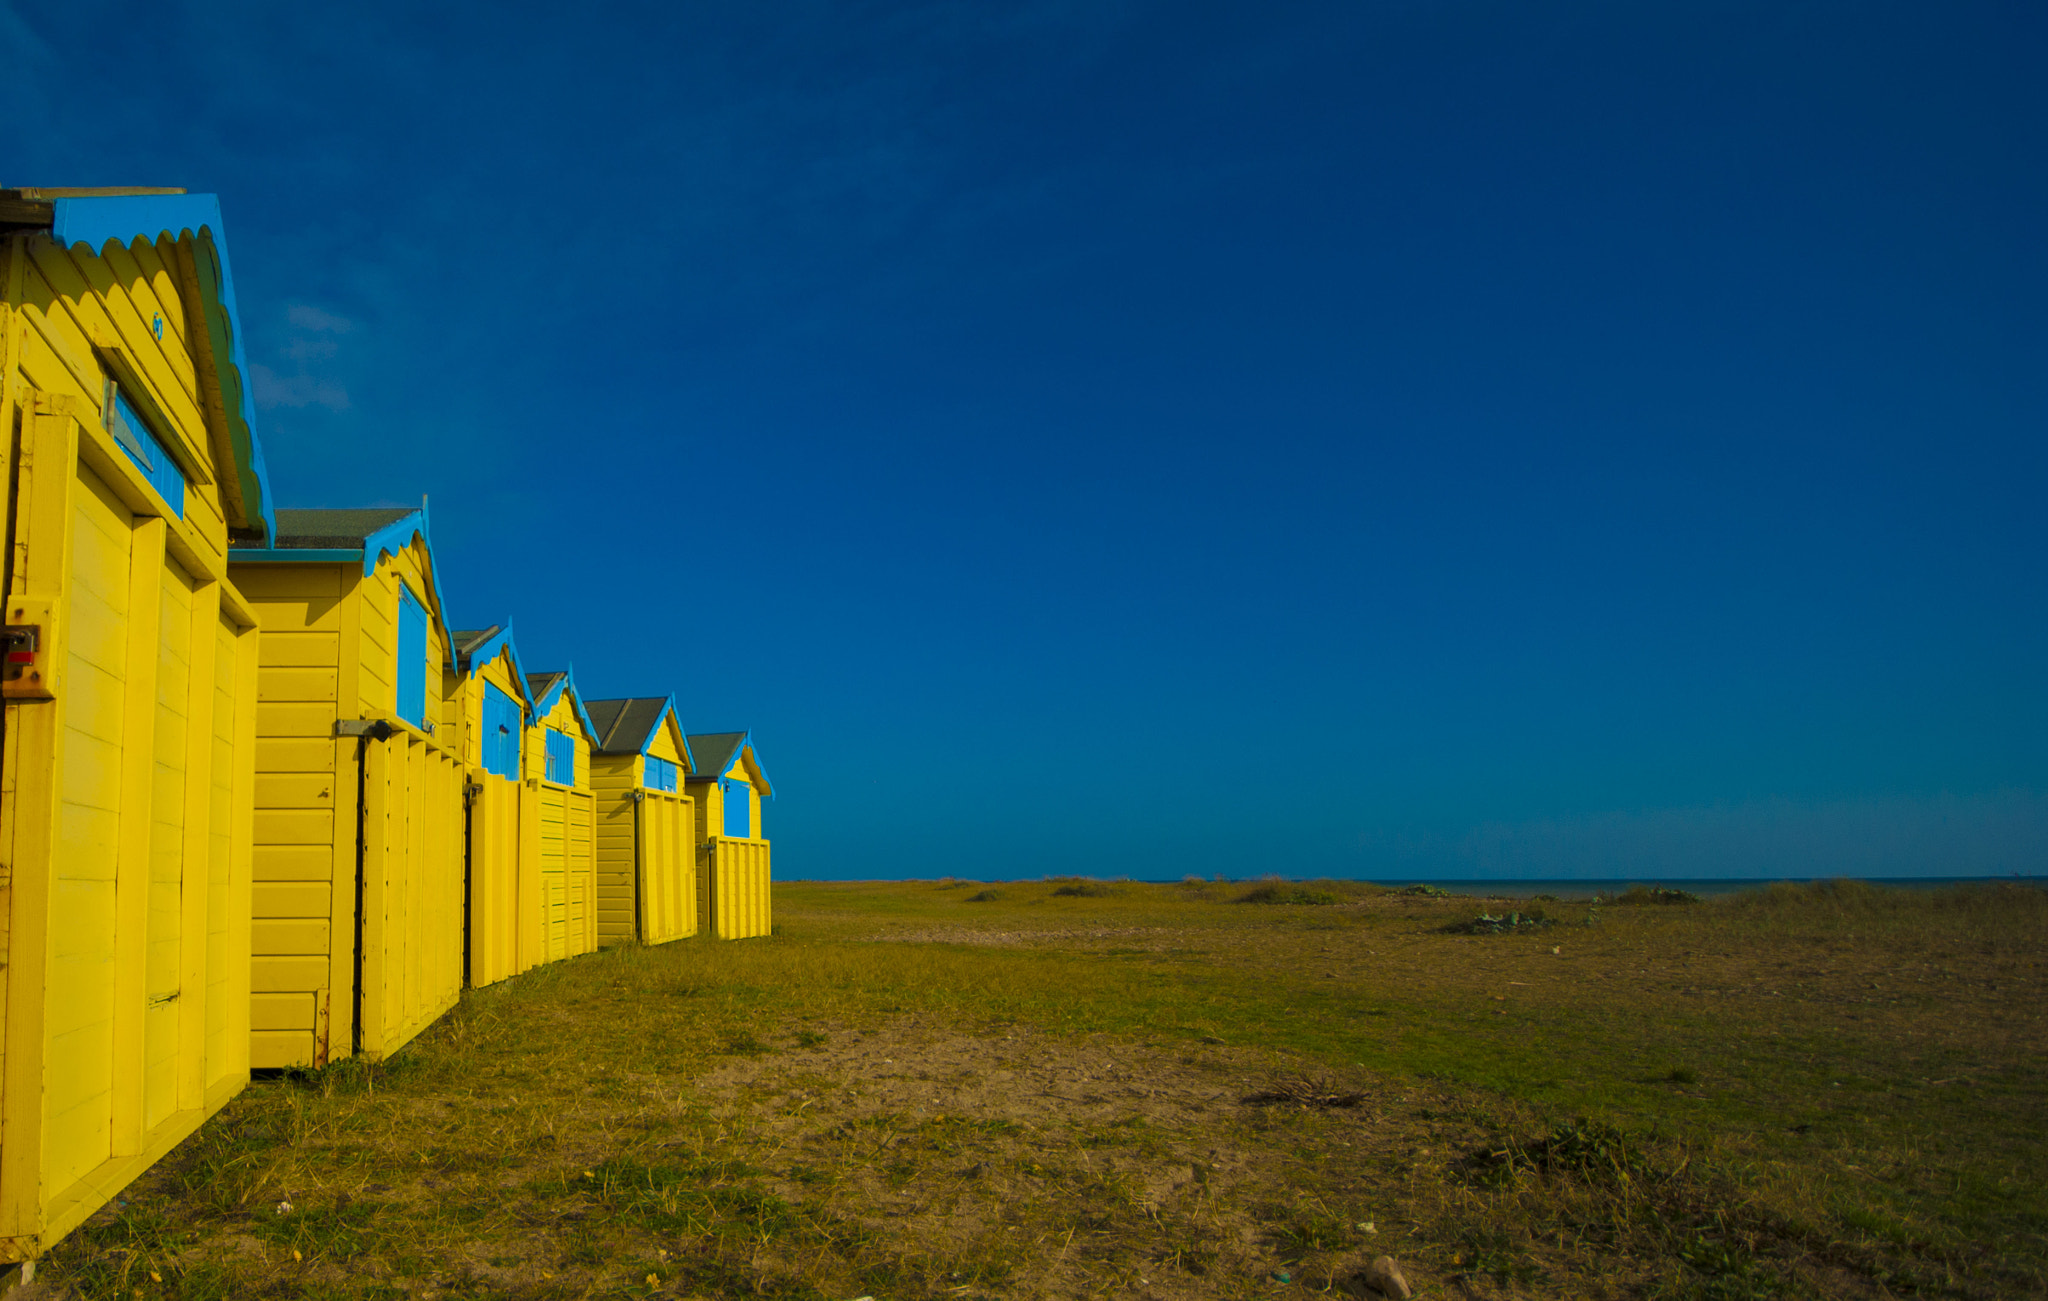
x=377, y=729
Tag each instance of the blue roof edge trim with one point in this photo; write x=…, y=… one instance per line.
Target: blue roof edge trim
x=502, y=642
x=554, y=693
x=740, y=751
x=125, y=218
x=396, y=537
x=747, y=748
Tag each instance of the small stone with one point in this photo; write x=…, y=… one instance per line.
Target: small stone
x=1367, y=1226
x=1282, y=1276
x=1384, y=1277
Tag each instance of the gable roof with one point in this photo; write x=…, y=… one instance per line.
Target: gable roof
x=368, y=533
x=627, y=725
x=93, y=219
x=473, y=647
x=546, y=688
x=719, y=749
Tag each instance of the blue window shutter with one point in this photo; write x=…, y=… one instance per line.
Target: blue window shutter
x=660, y=775
x=561, y=757
x=502, y=720
x=411, y=677
x=739, y=810
x=148, y=452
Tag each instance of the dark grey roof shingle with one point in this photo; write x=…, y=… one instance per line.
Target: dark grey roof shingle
x=714, y=751
x=623, y=726
x=301, y=529
x=468, y=639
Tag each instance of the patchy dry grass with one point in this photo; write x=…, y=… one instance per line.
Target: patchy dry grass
x=936, y=1090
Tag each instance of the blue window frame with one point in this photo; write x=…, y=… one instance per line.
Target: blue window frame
x=411, y=677
x=561, y=758
x=739, y=808
x=146, y=450
x=503, y=721
x=660, y=775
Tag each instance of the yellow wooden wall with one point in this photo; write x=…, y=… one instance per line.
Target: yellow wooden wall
x=302, y=981
x=125, y=797
x=568, y=866
x=328, y=653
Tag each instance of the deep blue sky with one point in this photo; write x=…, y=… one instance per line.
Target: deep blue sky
x=1392, y=439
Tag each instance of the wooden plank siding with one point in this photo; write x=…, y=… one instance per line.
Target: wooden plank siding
x=646, y=881
x=127, y=782
x=359, y=854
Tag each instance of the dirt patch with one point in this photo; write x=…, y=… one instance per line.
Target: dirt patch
x=1075, y=1163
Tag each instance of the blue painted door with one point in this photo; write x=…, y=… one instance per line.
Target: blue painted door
x=411, y=676
x=739, y=809
x=502, y=720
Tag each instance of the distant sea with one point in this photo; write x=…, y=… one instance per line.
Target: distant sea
x=1585, y=888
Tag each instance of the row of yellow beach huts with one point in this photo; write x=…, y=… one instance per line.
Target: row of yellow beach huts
x=260, y=804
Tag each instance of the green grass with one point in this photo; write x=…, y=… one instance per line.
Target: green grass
x=1815, y=1091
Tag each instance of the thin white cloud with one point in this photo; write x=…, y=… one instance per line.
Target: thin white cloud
x=308, y=317
x=274, y=390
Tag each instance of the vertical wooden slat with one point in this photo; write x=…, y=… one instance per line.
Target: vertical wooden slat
x=370, y=997
x=131, y=881
x=42, y=544
x=346, y=941
x=198, y=848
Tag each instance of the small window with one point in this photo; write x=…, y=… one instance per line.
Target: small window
x=661, y=775
x=144, y=448
x=411, y=678
x=739, y=809
x=561, y=758
x=503, y=720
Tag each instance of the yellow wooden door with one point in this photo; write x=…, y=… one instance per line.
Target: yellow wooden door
x=667, y=874
x=579, y=874
x=494, y=885
x=554, y=886
x=412, y=906
x=84, y=918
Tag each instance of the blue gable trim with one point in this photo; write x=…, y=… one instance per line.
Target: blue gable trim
x=668, y=711
x=396, y=537
x=490, y=650
x=124, y=218
x=554, y=693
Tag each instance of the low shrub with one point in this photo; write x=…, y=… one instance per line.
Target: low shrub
x=1277, y=892
x=1654, y=894
x=1422, y=891
x=1079, y=889
x=1488, y=924
x=985, y=896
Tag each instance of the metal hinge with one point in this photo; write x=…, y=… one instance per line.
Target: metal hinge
x=376, y=729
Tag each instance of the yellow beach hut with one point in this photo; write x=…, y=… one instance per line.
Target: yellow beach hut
x=646, y=884
x=358, y=900
x=732, y=852
x=129, y=692
x=506, y=912
x=568, y=815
